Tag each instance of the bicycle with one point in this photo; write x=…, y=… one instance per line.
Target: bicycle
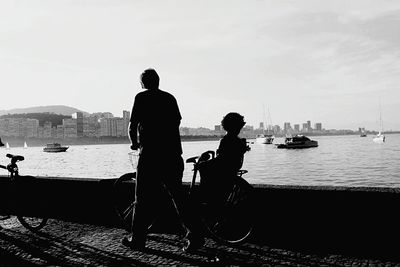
x=8, y=221
x=229, y=221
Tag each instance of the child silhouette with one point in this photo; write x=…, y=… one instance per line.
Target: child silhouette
x=216, y=174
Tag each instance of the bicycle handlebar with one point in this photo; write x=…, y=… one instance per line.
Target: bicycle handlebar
x=15, y=158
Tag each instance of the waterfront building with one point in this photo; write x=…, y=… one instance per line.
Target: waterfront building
x=91, y=127
x=47, y=129
x=79, y=123
x=102, y=115
x=70, y=128
x=318, y=126
x=105, y=127
x=60, y=131
x=126, y=115
x=120, y=127
x=40, y=133
x=184, y=131
x=296, y=128
x=31, y=126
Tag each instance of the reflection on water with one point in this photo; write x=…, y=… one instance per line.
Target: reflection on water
x=338, y=161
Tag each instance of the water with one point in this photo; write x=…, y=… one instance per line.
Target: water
x=338, y=161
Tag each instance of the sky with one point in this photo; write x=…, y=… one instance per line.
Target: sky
x=333, y=62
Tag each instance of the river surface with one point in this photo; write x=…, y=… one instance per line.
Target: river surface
x=348, y=160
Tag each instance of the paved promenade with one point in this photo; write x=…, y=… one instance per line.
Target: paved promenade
x=72, y=244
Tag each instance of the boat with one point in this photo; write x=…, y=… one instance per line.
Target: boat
x=380, y=137
x=298, y=141
x=363, y=133
x=7, y=146
x=265, y=138
x=25, y=145
x=55, y=147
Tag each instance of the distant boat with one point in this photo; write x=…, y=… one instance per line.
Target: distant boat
x=380, y=137
x=25, y=145
x=298, y=141
x=7, y=146
x=363, y=133
x=55, y=147
x=265, y=138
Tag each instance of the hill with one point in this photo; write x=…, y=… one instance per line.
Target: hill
x=55, y=109
x=55, y=119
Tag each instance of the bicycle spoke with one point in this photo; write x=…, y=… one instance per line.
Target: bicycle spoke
x=231, y=221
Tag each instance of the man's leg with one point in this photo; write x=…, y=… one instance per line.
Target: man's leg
x=185, y=208
x=145, y=187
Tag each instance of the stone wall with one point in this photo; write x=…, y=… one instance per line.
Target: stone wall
x=343, y=220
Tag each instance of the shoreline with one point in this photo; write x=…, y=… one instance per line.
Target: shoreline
x=37, y=142
x=41, y=142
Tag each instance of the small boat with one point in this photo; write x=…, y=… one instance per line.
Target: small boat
x=298, y=141
x=379, y=138
x=25, y=145
x=55, y=147
x=265, y=138
x=7, y=146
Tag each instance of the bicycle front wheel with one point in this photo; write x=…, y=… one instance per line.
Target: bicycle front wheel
x=231, y=221
x=32, y=223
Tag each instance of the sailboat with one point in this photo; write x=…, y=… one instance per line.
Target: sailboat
x=25, y=145
x=380, y=137
x=7, y=146
x=265, y=138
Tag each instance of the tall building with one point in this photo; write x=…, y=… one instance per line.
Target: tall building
x=287, y=127
x=126, y=115
x=79, y=123
x=309, y=126
x=305, y=127
x=318, y=126
x=296, y=128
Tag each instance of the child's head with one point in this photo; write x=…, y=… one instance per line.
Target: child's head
x=233, y=122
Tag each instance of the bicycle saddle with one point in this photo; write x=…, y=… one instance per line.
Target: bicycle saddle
x=15, y=158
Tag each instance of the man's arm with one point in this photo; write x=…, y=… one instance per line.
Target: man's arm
x=133, y=125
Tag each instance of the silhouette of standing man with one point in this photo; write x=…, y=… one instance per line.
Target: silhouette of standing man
x=156, y=119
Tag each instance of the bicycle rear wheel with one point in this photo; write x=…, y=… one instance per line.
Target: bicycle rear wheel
x=124, y=199
x=32, y=223
x=232, y=220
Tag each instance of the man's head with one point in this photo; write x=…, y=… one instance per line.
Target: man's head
x=150, y=79
x=233, y=122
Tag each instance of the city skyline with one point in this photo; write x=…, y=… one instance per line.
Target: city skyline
x=310, y=60
x=296, y=126
x=286, y=127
